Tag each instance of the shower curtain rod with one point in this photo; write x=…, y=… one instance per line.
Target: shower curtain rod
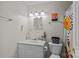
x=8, y=19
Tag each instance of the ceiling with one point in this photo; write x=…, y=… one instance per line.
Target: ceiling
x=28, y=2
x=23, y=2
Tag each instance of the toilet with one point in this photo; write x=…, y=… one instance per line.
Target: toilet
x=55, y=50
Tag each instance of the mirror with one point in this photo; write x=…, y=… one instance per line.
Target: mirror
x=37, y=23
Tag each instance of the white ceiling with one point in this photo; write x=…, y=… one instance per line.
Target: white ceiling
x=23, y=2
x=28, y=2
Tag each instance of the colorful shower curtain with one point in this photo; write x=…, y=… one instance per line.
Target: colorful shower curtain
x=67, y=26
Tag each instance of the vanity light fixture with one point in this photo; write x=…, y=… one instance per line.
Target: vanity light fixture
x=37, y=14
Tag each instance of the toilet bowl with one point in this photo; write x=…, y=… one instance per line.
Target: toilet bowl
x=54, y=56
x=55, y=50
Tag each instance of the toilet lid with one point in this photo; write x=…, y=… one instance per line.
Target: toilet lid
x=54, y=56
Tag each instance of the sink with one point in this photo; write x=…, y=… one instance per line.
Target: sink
x=33, y=42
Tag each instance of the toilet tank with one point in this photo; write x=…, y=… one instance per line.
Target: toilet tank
x=55, y=48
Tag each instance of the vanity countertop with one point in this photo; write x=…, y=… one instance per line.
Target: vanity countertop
x=33, y=42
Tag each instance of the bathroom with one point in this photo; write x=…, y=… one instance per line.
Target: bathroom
x=20, y=23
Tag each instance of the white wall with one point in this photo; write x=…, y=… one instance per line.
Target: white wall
x=11, y=33
x=76, y=28
x=76, y=25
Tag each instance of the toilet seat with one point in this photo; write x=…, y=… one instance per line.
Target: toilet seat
x=54, y=56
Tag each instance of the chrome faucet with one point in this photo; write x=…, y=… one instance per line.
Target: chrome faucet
x=45, y=36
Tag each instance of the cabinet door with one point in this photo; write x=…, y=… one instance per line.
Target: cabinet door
x=30, y=51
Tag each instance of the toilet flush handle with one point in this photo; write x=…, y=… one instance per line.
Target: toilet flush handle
x=45, y=48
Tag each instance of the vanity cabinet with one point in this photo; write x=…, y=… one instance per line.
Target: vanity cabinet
x=27, y=50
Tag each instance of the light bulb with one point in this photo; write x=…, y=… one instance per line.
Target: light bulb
x=36, y=14
x=31, y=14
x=42, y=13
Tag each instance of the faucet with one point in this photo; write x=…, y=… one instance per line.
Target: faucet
x=45, y=36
